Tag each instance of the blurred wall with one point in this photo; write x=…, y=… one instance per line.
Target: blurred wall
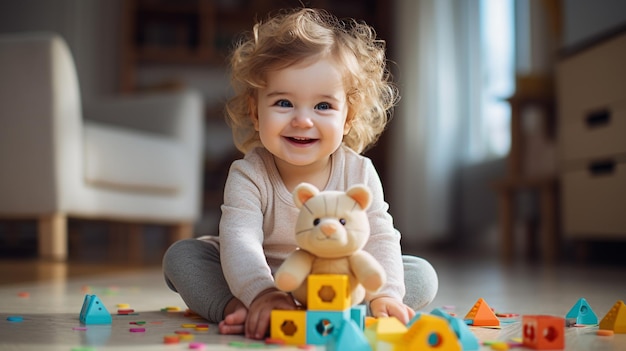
x=90, y=27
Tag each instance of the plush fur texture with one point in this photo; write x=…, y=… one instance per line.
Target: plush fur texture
x=331, y=231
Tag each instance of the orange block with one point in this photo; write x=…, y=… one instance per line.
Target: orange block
x=482, y=315
x=541, y=332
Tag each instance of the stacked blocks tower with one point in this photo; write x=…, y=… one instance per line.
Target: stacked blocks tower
x=325, y=321
x=541, y=332
x=615, y=319
x=331, y=320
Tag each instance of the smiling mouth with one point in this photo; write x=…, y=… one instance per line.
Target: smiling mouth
x=302, y=141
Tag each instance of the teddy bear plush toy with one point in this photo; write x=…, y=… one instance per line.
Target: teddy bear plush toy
x=331, y=231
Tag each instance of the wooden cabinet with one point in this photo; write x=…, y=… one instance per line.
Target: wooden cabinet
x=592, y=138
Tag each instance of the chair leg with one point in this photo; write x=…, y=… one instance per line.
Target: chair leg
x=179, y=231
x=52, y=237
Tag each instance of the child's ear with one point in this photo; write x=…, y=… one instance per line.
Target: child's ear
x=346, y=128
x=254, y=112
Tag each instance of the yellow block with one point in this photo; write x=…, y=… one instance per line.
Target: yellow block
x=388, y=329
x=328, y=292
x=431, y=332
x=289, y=326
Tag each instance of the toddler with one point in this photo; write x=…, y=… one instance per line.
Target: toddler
x=312, y=92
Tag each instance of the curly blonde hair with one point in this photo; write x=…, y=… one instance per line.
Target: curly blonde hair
x=292, y=36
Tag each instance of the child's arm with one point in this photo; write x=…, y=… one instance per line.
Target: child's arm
x=384, y=241
x=241, y=234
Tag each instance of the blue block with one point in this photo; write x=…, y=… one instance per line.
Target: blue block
x=357, y=314
x=320, y=325
x=94, y=312
x=582, y=313
x=348, y=337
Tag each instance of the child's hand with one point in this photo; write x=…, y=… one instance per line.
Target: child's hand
x=390, y=307
x=258, y=319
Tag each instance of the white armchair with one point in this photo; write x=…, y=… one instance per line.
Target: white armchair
x=135, y=158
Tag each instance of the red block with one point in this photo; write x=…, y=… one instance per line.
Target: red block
x=542, y=332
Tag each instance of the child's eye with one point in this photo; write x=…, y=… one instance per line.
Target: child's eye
x=323, y=106
x=316, y=221
x=283, y=103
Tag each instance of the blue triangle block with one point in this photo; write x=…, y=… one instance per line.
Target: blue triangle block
x=414, y=319
x=94, y=312
x=582, y=313
x=441, y=313
x=468, y=340
x=349, y=337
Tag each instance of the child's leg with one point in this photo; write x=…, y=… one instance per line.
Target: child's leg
x=192, y=268
x=421, y=282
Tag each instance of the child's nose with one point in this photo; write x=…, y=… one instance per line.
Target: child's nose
x=301, y=120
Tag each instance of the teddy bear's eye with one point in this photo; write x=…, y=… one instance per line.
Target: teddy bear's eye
x=316, y=221
x=342, y=221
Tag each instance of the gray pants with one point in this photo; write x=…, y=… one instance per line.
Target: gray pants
x=192, y=268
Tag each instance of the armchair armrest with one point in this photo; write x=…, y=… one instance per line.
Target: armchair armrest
x=175, y=114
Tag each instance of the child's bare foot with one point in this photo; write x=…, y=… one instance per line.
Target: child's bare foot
x=235, y=315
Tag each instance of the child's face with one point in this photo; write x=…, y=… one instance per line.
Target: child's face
x=302, y=112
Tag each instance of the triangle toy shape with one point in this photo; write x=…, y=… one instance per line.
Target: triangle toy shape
x=582, y=313
x=615, y=319
x=481, y=315
x=349, y=337
x=94, y=312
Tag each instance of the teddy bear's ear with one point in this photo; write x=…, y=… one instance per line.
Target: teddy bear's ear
x=361, y=194
x=303, y=192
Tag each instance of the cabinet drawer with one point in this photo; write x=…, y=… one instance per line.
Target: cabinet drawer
x=594, y=134
x=592, y=79
x=594, y=204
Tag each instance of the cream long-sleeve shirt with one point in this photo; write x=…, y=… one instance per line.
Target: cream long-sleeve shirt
x=256, y=231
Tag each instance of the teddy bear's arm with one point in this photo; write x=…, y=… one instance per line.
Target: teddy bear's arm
x=294, y=270
x=367, y=270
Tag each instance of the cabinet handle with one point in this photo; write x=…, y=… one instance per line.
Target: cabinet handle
x=598, y=118
x=599, y=168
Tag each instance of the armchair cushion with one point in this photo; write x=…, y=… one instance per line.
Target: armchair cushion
x=132, y=161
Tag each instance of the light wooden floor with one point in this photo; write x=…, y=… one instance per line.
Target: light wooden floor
x=56, y=292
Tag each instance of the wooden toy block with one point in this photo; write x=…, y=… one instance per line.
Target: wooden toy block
x=320, y=325
x=289, y=326
x=388, y=329
x=94, y=312
x=615, y=319
x=541, y=332
x=328, y=292
x=349, y=337
x=429, y=332
x=481, y=315
x=581, y=313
